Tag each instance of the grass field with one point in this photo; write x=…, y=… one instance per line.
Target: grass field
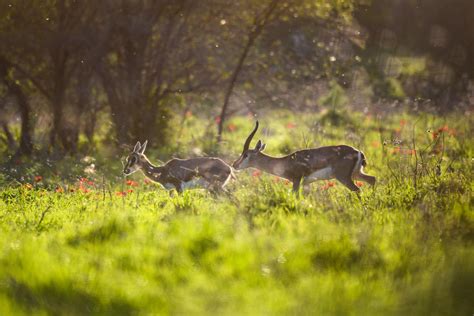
x=100, y=245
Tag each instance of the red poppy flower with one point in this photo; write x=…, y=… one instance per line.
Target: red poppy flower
x=443, y=128
x=256, y=173
x=84, y=190
x=290, y=125
x=376, y=144
x=38, y=179
x=121, y=193
x=231, y=127
x=359, y=184
x=132, y=183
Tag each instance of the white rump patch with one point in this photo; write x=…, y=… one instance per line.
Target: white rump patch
x=322, y=174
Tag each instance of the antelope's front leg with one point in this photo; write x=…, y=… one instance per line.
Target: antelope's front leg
x=178, y=188
x=296, y=185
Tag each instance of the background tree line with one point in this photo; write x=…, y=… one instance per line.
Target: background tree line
x=67, y=66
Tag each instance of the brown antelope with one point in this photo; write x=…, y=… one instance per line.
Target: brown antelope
x=181, y=174
x=342, y=162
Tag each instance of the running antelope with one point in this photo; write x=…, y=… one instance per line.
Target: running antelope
x=342, y=162
x=181, y=174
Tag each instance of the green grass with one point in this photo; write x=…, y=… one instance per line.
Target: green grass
x=405, y=248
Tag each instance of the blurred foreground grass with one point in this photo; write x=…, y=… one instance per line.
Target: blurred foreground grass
x=100, y=246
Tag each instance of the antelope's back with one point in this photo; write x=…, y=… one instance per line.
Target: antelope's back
x=321, y=157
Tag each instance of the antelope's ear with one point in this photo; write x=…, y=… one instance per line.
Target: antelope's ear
x=137, y=147
x=143, y=147
x=260, y=146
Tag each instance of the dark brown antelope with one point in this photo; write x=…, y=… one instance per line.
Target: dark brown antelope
x=181, y=174
x=344, y=163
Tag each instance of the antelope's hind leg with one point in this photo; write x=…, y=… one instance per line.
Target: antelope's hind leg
x=365, y=177
x=343, y=173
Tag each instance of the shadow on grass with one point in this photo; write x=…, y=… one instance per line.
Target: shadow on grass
x=64, y=299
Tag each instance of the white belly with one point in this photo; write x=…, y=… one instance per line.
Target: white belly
x=194, y=183
x=322, y=174
x=168, y=186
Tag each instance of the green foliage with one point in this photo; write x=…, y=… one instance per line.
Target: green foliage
x=404, y=248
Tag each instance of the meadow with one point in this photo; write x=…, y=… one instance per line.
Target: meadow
x=77, y=238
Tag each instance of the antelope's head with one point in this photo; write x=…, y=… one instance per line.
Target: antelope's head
x=248, y=157
x=135, y=159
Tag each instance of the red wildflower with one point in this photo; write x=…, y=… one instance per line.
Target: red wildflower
x=129, y=191
x=91, y=183
x=38, y=179
x=403, y=122
x=217, y=119
x=443, y=128
x=121, y=193
x=287, y=182
x=376, y=144
x=290, y=125
x=256, y=173
x=231, y=127
x=359, y=184
x=147, y=181
x=132, y=183
x=83, y=180
x=84, y=190
x=435, y=135
x=328, y=185
x=59, y=190
x=396, y=150
x=411, y=152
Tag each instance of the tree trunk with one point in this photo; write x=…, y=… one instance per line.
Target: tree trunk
x=26, y=144
x=256, y=30
x=230, y=88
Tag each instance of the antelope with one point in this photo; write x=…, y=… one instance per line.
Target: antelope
x=344, y=163
x=181, y=174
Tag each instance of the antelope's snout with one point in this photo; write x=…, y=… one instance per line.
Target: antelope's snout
x=236, y=164
x=240, y=163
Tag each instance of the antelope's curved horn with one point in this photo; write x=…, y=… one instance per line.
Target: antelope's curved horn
x=249, y=139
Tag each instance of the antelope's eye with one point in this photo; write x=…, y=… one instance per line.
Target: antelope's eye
x=133, y=160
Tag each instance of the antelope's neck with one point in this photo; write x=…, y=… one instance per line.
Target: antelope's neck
x=273, y=165
x=150, y=170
